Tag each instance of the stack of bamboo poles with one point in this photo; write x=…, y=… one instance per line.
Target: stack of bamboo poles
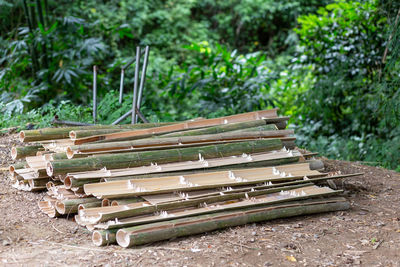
x=135, y=184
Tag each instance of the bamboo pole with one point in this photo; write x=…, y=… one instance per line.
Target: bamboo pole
x=85, y=133
x=249, y=164
x=222, y=128
x=16, y=166
x=24, y=151
x=139, y=134
x=189, y=212
x=139, y=235
x=63, y=132
x=187, y=165
x=70, y=206
x=175, y=141
x=104, y=237
x=134, y=159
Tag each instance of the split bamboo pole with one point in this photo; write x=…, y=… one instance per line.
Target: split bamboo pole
x=231, y=202
x=134, y=159
x=189, y=165
x=144, y=234
x=193, y=182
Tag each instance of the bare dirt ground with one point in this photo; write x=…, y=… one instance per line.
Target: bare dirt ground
x=368, y=234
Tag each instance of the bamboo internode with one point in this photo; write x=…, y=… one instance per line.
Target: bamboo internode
x=135, y=184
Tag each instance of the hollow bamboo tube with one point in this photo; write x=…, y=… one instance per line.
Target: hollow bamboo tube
x=134, y=159
x=16, y=166
x=24, y=151
x=70, y=182
x=104, y=237
x=70, y=206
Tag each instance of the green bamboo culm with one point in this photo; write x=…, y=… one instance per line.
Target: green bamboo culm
x=144, y=234
x=222, y=128
x=135, y=159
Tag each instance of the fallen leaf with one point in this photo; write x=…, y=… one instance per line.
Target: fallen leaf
x=291, y=258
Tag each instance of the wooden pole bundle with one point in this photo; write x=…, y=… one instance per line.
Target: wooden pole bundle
x=135, y=159
x=135, y=184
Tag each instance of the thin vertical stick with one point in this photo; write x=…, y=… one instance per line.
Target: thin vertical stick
x=135, y=86
x=94, y=93
x=121, y=86
x=142, y=79
x=35, y=65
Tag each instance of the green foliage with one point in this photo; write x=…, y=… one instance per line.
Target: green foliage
x=42, y=117
x=218, y=82
x=350, y=111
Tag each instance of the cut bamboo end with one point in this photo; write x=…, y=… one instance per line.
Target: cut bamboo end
x=123, y=238
x=105, y=202
x=11, y=169
x=60, y=207
x=21, y=136
x=70, y=153
x=72, y=135
x=67, y=182
x=103, y=238
x=14, y=153
x=49, y=169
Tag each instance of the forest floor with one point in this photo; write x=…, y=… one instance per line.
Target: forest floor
x=368, y=234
